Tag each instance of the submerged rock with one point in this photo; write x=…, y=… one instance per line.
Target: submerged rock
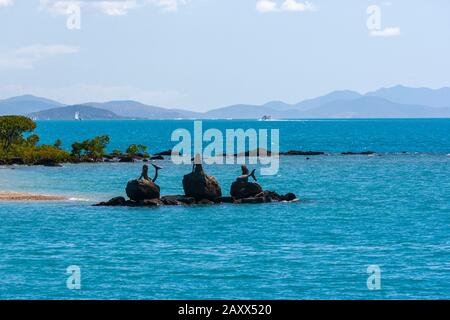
x=243, y=189
x=138, y=190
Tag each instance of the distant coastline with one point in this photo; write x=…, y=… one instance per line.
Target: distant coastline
x=395, y=102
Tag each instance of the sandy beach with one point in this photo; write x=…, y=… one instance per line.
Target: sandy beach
x=21, y=196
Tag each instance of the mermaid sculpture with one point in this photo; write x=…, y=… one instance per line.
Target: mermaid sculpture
x=144, y=188
x=245, y=174
x=144, y=174
x=242, y=188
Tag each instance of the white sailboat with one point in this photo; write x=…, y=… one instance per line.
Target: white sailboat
x=77, y=116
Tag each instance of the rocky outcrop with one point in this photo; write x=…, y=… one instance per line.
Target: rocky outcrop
x=181, y=200
x=138, y=190
x=200, y=186
x=242, y=189
x=117, y=201
x=363, y=153
x=302, y=153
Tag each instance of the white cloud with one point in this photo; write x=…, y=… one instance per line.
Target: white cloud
x=116, y=8
x=386, y=32
x=287, y=5
x=168, y=5
x=26, y=57
x=292, y=5
x=5, y=3
x=266, y=6
x=108, y=7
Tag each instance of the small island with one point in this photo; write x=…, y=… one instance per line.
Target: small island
x=199, y=189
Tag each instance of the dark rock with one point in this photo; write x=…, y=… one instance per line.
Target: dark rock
x=186, y=200
x=252, y=200
x=142, y=155
x=131, y=203
x=364, y=153
x=126, y=159
x=16, y=160
x=302, y=153
x=164, y=153
x=157, y=157
x=199, y=185
x=152, y=202
x=224, y=200
x=117, y=201
x=205, y=202
x=288, y=197
x=142, y=190
x=242, y=189
x=48, y=163
x=171, y=201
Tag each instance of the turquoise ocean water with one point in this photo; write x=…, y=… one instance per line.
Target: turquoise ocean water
x=391, y=210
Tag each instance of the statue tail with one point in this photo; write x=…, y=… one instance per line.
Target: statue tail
x=157, y=168
x=253, y=175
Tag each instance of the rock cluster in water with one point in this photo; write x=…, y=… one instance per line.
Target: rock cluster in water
x=199, y=188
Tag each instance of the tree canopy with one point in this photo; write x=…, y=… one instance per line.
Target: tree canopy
x=92, y=148
x=12, y=128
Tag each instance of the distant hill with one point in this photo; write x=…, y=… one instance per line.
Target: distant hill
x=439, y=98
x=69, y=112
x=374, y=107
x=242, y=111
x=26, y=104
x=344, y=95
x=133, y=109
x=398, y=101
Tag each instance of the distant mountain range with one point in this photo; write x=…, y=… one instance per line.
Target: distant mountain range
x=394, y=102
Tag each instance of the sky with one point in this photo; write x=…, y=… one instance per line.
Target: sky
x=204, y=54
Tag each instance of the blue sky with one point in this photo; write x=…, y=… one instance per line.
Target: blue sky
x=202, y=54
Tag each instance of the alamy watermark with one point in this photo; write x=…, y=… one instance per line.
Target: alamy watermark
x=74, y=16
x=237, y=146
x=374, y=279
x=73, y=282
x=374, y=25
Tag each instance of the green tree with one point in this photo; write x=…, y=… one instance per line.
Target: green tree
x=93, y=148
x=33, y=140
x=12, y=129
x=136, y=148
x=116, y=152
x=58, y=144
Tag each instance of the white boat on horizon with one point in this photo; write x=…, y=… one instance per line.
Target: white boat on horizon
x=265, y=118
x=77, y=116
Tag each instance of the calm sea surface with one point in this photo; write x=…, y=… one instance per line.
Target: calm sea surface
x=390, y=210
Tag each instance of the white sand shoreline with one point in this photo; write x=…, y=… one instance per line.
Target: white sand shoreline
x=24, y=196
